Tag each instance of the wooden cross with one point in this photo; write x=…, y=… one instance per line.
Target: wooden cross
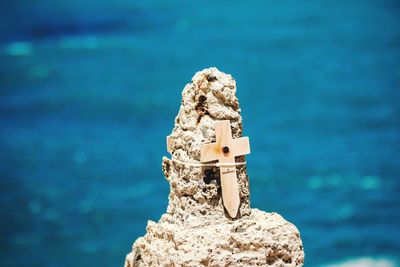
x=225, y=149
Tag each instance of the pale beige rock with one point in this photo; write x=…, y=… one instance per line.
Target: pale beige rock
x=197, y=230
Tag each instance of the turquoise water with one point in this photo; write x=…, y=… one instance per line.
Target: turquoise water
x=89, y=90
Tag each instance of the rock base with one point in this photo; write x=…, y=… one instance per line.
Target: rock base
x=261, y=239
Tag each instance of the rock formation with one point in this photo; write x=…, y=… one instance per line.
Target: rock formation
x=196, y=230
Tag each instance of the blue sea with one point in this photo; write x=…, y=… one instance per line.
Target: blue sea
x=90, y=89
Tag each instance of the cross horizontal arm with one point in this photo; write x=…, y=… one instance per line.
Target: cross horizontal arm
x=241, y=146
x=209, y=152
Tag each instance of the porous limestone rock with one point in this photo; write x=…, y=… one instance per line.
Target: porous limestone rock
x=196, y=230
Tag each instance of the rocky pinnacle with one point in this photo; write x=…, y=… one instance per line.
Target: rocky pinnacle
x=196, y=230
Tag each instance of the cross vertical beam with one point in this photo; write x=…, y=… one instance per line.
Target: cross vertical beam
x=225, y=149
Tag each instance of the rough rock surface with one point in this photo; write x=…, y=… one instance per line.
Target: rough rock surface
x=197, y=230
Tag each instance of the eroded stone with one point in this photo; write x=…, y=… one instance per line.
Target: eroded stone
x=196, y=229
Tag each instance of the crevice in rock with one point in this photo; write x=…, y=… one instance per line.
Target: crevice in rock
x=205, y=262
x=211, y=78
x=166, y=167
x=201, y=107
x=211, y=176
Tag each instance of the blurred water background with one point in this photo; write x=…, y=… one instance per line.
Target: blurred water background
x=89, y=90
